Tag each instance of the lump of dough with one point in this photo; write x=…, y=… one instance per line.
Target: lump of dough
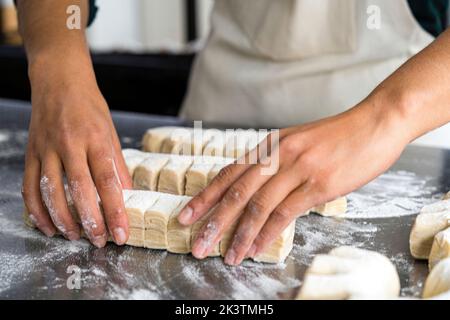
x=136, y=237
x=156, y=220
x=172, y=178
x=137, y=205
x=437, y=285
x=440, y=248
x=154, y=137
x=447, y=196
x=350, y=273
x=431, y=220
x=280, y=248
x=133, y=158
x=178, y=235
x=178, y=142
x=336, y=207
x=146, y=174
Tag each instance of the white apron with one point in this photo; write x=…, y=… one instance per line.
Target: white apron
x=277, y=63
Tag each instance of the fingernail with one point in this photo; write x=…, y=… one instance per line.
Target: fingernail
x=33, y=219
x=99, y=241
x=120, y=236
x=201, y=249
x=230, y=257
x=72, y=235
x=252, y=251
x=48, y=231
x=185, y=215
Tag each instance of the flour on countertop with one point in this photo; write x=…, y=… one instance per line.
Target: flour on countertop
x=393, y=194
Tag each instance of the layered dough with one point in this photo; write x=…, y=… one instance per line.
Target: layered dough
x=431, y=220
x=189, y=175
x=437, y=285
x=350, y=273
x=153, y=224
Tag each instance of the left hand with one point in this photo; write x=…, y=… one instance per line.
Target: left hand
x=318, y=162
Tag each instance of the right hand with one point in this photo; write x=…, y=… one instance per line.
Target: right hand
x=71, y=134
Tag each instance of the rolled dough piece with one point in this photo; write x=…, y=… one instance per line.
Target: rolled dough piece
x=178, y=142
x=137, y=205
x=437, y=285
x=440, y=249
x=280, y=248
x=195, y=230
x=431, y=220
x=178, y=235
x=156, y=220
x=146, y=174
x=350, y=273
x=172, y=178
x=336, y=207
x=447, y=196
x=154, y=138
x=133, y=158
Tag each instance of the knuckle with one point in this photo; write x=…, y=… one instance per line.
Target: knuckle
x=256, y=205
x=106, y=180
x=282, y=212
x=236, y=193
x=225, y=174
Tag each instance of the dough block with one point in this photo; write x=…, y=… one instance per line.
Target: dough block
x=178, y=235
x=156, y=220
x=137, y=205
x=431, y=220
x=178, y=142
x=216, y=144
x=136, y=237
x=440, y=249
x=437, y=285
x=447, y=196
x=146, y=174
x=280, y=248
x=172, y=178
x=336, y=207
x=197, y=178
x=154, y=138
x=133, y=158
x=350, y=273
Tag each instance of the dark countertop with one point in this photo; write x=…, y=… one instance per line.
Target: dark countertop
x=33, y=266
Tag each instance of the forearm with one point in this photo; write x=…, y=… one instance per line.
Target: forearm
x=418, y=93
x=54, y=50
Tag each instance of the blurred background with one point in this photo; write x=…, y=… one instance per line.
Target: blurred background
x=142, y=54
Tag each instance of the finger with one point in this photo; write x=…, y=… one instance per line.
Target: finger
x=228, y=210
x=202, y=203
x=257, y=211
x=120, y=164
x=54, y=196
x=84, y=196
x=32, y=197
x=110, y=191
x=296, y=204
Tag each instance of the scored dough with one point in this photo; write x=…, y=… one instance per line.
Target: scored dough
x=172, y=178
x=133, y=158
x=154, y=138
x=156, y=220
x=440, y=248
x=136, y=206
x=437, y=285
x=431, y=220
x=147, y=172
x=178, y=235
x=350, y=273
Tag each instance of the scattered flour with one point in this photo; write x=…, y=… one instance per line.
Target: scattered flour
x=395, y=193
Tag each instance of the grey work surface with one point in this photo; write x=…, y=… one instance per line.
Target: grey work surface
x=35, y=267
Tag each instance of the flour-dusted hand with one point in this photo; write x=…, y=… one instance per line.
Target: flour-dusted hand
x=71, y=133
